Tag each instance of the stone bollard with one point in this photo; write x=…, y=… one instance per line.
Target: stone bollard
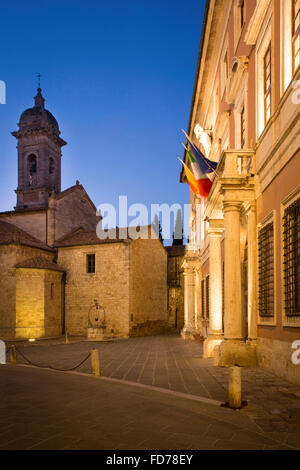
x=67, y=337
x=217, y=355
x=95, y=362
x=235, y=387
x=13, y=355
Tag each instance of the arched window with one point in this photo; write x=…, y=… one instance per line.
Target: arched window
x=32, y=166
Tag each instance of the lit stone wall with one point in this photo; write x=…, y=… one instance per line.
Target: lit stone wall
x=109, y=285
x=10, y=255
x=276, y=356
x=148, y=287
x=8, y=290
x=53, y=303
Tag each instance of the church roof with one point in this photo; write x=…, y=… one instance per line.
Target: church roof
x=39, y=119
x=38, y=115
x=82, y=237
x=10, y=234
x=39, y=262
x=75, y=187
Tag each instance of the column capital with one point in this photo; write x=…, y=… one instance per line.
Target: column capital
x=216, y=226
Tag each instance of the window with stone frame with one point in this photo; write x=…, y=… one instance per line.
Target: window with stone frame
x=90, y=263
x=291, y=259
x=267, y=84
x=207, y=296
x=266, y=271
x=296, y=34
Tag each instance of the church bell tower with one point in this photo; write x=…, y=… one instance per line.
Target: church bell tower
x=39, y=156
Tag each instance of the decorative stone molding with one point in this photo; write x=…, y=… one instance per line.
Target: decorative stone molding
x=256, y=21
x=238, y=70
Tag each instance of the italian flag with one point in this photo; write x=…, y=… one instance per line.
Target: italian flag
x=199, y=183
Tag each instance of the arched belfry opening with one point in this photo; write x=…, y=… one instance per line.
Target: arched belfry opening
x=52, y=173
x=32, y=169
x=39, y=155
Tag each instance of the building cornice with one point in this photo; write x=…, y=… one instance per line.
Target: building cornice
x=40, y=131
x=256, y=22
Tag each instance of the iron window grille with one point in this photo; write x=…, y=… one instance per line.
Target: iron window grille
x=90, y=263
x=291, y=259
x=266, y=271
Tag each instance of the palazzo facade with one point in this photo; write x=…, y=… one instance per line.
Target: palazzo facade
x=241, y=268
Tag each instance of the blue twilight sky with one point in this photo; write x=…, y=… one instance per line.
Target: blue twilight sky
x=118, y=76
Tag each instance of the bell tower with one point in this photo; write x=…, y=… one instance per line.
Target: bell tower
x=39, y=156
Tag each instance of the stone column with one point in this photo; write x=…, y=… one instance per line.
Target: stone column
x=215, y=335
x=252, y=273
x=189, y=299
x=233, y=296
x=233, y=350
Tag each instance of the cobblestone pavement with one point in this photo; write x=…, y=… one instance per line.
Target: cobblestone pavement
x=273, y=409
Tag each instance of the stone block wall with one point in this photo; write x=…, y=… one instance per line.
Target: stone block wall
x=276, y=356
x=148, y=287
x=30, y=303
x=53, y=303
x=8, y=291
x=14, y=289
x=109, y=286
x=176, y=306
x=38, y=303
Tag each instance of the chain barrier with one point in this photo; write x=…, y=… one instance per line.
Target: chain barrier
x=52, y=367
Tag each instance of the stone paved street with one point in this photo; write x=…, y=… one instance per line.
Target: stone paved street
x=41, y=405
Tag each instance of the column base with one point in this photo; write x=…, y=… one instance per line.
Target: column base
x=209, y=345
x=187, y=333
x=235, y=352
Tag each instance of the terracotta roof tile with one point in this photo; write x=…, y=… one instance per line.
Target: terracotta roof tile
x=80, y=237
x=39, y=263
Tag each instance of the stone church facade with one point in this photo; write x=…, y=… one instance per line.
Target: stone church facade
x=242, y=276
x=56, y=275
